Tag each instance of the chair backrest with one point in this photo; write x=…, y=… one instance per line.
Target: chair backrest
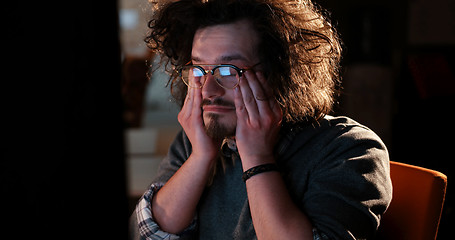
x=416, y=207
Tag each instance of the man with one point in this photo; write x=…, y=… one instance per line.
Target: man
x=259, y=157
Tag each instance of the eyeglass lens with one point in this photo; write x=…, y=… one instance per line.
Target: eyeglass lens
x=225, y=76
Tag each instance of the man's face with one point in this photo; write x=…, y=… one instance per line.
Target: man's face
x=234, y=44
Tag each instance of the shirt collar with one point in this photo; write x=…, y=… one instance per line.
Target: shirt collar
x=228, y=147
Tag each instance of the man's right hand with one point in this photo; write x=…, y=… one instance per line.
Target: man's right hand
x=190, y=118
x=174, y=206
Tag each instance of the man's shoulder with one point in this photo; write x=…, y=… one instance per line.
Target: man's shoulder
x=342, y=122
x=348, y=130
x=331, y=127
x=328, y=134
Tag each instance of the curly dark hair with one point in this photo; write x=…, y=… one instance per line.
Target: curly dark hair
x=299, y=49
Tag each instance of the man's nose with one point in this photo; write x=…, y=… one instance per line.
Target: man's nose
x=211, y=89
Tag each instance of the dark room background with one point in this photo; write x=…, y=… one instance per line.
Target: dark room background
x=63, y=167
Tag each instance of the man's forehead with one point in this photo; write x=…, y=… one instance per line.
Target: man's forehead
x=225, y=43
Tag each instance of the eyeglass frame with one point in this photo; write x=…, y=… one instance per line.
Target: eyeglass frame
x=240, y=72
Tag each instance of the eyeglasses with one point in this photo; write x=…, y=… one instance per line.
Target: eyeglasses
x=226, y=75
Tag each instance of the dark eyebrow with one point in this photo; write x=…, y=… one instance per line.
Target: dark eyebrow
x=229, y=58
x=222, y=59
x=195, y=59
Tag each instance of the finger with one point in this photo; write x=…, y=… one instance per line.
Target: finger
x=197, y=102
x=240, y=109
x=188, y=103
x=261, y=96
x=273, y=102
x=275, y=106
x=267, y=90
x=248, y=97
x=277, y=111
x=264, y=85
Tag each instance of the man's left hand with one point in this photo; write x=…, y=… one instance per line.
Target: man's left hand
x=259, y=117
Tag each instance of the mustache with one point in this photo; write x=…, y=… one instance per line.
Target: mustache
x=218, y=102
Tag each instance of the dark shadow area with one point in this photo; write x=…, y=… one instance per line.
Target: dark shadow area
x=399, y=80
x=63, y=166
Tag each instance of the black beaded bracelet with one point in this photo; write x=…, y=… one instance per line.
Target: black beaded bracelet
x=259, y=169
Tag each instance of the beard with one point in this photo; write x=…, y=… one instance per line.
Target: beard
x=217, y=130
x=218, y=126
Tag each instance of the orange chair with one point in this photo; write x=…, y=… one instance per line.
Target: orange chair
x=416, y=207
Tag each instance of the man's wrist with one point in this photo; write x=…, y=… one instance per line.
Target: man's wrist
x=250, y=162
x=258, y=170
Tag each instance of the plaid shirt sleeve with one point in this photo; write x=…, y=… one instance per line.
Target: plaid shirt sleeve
x=148, y=228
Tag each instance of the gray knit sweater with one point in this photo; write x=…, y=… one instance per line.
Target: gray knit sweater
x=336, y=171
